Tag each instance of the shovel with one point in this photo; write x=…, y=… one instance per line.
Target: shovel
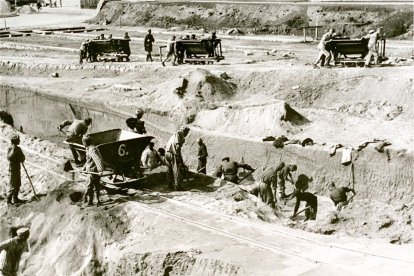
x=30, y=180
x=246, y=176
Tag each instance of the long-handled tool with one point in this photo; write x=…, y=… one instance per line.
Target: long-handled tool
x=30, y=180
x=246, y=176
x=301, y=211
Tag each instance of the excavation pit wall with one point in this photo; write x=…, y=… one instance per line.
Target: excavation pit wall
x=386, y=176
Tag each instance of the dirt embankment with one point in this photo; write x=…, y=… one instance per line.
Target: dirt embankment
x=261, y=18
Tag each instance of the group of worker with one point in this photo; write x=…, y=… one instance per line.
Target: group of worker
x=325, y=52
x=88, y=53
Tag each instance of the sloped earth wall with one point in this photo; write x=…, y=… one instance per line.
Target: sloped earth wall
x=380, y=176
x=261, y=18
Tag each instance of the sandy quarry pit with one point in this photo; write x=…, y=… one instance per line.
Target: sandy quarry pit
x=130, y=235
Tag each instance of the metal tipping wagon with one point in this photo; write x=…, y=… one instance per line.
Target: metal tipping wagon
x=109, y=50
x=204, y=51
x=120, y=150
x=348, y=51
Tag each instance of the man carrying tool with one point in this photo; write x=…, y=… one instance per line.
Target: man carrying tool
x=136, y=124
x=175, y=163
x=202, y=157
x=284, y=174
x=15, y=157
x=229, y=170
x=270, y=175
x=373, y=37
x=11, y=252
x=311, y=208
x=94, y=168
x=77, y=128
x=339, y=195
x=322, y=49
x=151, y=158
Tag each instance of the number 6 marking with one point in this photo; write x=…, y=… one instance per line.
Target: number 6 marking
x=122, y=150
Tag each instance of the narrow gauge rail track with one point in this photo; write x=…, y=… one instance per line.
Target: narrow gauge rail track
x=288, y=240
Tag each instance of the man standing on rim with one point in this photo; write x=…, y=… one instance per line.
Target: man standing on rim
x=148, y=41
x=202, y=157
x=15, y=156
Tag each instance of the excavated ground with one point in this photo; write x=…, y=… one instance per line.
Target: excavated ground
x=260, y=98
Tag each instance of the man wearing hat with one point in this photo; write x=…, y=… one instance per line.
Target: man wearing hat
x=373, y=37
x=175, y=163
x=338, y=195
x=229, y=170
x=94, y=167
x=11, y=252
x=15, y=156
x=135, y=124
x=77, y=128
x=148, y=41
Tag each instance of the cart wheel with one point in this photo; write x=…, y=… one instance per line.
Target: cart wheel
x=203, y=62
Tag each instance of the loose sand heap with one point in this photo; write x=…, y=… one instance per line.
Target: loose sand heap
x=5, y=7
x=26, y=9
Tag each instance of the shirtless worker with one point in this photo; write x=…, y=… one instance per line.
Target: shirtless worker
x=170, y=51
x=11, y=252
x=339, y=195
x=229, y=170
x=77, y=128
x=151, y=158
x=322, y=49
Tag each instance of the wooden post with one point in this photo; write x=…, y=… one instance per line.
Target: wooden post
x=304, y=34
x=316, y=33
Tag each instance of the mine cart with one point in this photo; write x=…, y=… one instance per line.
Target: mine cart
x=109, y=50
x=204, y=51
x=120, y=150
x=351, y=52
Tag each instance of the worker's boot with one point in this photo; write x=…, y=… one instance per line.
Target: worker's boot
x=97, y=197
x=16, y=199
x=9, y=199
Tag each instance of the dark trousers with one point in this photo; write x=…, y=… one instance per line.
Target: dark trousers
x=202, y=166
x=149, y=57
x=312, y=211
x=93, y=184
x=14, y=186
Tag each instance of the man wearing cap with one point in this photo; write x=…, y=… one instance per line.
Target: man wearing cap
x=229, y=170
x=77, y=128
x=175, y=163
x=94, y=168
x=148, y=41
x=11, y=252
x=202, y=157
x=15, y=157
x=373, y=37
x=284, y=174
x=135, y=124
x=339, y=195
x=322, y=49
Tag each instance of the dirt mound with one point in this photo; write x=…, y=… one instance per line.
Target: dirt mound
x=5, y=7
x=26, y=9
x=275, y=119
x=261, y=18
x=205, y=86
x=369, y=218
